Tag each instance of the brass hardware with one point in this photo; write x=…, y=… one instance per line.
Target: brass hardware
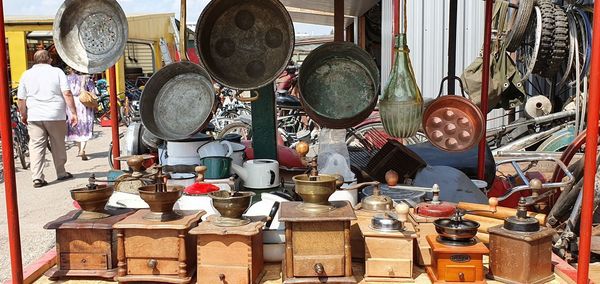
x=319, y=269
x=83, y=261
x=152, y=263
x=461, y=276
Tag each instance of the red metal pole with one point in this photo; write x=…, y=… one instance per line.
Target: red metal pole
x=114, y=116
x=8, y=162
x=485, y=82
x=589, y=170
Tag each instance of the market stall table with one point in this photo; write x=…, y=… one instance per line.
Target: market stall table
x=273, y=276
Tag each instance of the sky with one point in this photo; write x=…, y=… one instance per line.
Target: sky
x=194, y=8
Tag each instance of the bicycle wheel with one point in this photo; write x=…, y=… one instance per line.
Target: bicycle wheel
x=373, y=136
x=241, y=128
x=20, y=141
x=519, y=22
x=19, y=153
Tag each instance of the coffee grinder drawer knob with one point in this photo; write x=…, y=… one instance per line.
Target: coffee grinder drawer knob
x=222, y=277
x=461, y=276
x=319, y=269
x=152, y=263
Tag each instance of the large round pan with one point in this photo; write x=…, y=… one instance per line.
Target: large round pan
x=90, y=35
x=177, y=100
x=245, y=44
x=339, y=84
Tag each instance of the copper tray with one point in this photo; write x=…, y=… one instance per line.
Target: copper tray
x=453, y=123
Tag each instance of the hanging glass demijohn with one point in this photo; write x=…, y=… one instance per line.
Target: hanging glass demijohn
x=401, y=107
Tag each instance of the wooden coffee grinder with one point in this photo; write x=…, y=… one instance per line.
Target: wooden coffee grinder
x=85, y=242
x=424, y=214
x=457, y=255
x=521, y=250
x=317, y=232
x=229, y=246
x=388, y=242
x=154, y=245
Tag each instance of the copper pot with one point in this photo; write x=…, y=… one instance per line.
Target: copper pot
x=453, y=123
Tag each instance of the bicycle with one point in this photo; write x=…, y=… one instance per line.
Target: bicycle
x=228, y=108
x=20, y=134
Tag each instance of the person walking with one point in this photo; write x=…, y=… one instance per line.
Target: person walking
x=44, y=95
x=82, y=132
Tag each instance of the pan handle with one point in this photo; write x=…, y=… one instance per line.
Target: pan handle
x=250, y=99
x=453, y=77
x=182, y=30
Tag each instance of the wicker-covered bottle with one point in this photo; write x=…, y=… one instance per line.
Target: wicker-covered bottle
x=401, y=107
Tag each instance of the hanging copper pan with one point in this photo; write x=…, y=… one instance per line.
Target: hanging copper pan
x=453, y=123
x=245, y=44
x=90, y=35
x=177, y=100
x=339, y=84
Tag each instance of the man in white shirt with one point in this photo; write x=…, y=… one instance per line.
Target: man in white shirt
x=43, y=96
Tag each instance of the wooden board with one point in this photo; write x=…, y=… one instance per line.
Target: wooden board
x=289, y=212
x=70, y=221
x=208, y=227
x=136, y=221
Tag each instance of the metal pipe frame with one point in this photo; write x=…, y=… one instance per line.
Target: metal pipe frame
x=590, y=168
x=485, y=85
x=114, y=116
x=452, y=44
x=8, y=162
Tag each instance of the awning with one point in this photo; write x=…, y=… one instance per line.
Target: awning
x=321, y=12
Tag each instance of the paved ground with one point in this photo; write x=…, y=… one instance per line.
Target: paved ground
x=37, y=206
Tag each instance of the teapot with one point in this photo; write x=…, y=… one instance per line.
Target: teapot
x=258, y=173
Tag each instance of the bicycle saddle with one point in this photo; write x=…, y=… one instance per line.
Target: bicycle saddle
x=285, y=100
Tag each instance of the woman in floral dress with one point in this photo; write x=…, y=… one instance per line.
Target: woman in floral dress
x=82, y=132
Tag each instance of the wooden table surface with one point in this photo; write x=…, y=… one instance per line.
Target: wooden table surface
x=273, y=276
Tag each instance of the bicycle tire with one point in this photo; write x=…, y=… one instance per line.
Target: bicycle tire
x=520, y=22
x=378, y=127
x=20, y=153
x=22, y=140
x=229, y=128
x=572, y=48
x=560, y=44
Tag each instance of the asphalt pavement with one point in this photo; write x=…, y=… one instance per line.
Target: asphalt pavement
x=38, y=206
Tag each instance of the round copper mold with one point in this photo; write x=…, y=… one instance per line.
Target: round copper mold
x=453, y=123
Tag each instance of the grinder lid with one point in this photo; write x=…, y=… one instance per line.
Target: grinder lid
x=521, y=222
x=429, y=209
